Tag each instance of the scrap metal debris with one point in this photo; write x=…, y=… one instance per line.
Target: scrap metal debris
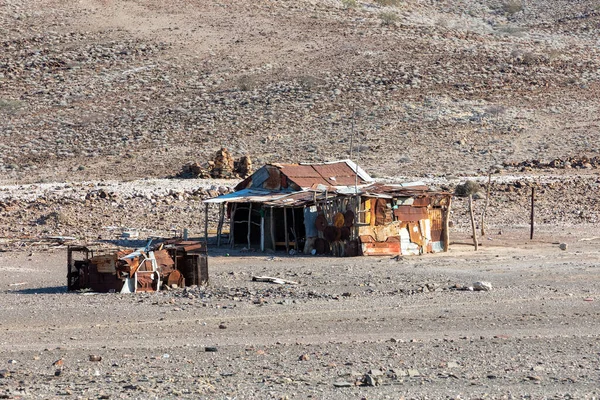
x=271, y=279
x=172, y=263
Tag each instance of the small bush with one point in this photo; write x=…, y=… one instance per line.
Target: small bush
x=495, y=111
x=9, y=107
x=388, y=18
x=246, y=83
x=512, y=6
x=467, y=188
x=309, y=81
x=512, y=30
x=388, y=3
x=349, y=3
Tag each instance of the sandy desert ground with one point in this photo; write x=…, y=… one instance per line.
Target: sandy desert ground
x=402, y=322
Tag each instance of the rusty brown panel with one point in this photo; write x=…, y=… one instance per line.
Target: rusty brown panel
x=383, y=214
x=381, y=249
x=421, y=201
x=145, y=283
x=367, y=239
x=415, y=233
x=163, y=258
x=309, y=182
x=436, y=235
x=437, y=222
x=244, y=184
x=299, y=171
x=105, y=264
x=274, y=180
x=410, y=214
x=336, y=169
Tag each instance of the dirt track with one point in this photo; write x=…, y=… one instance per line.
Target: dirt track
x=535, y=334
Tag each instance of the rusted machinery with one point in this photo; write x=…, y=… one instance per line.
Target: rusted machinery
x=174, y=263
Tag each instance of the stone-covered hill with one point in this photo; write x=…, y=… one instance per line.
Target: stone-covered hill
x=126, y=89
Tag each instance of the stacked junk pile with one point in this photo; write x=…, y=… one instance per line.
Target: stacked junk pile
x=335, y=236
x=172, y=263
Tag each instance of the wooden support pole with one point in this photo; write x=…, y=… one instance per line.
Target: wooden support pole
x=232, y=226
x=294, y=229
x=473, y=222
x=220, y=226
x=206, y=224
x=262, y=231
x=532, y=212
x=487, y=200
x=249, y=224
x=447, y=225
x=285, y=225
x=272, y=223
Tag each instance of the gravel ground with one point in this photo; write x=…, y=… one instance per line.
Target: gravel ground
x=399, y=325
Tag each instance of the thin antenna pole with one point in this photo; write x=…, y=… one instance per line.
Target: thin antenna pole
x=352, y=132
x=356, y=172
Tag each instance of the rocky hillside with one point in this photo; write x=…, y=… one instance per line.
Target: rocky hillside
x=99, y=89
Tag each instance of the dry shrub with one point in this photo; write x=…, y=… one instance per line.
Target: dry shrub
x=388, y=18
x=246, y=83
x=349, y=3
x=388, y=3
x=512, y=6
x=467, y=188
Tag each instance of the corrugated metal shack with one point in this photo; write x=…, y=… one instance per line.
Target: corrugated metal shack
x=332, y=208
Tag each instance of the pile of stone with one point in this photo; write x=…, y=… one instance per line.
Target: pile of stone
x=578, y=162
x=222, y=166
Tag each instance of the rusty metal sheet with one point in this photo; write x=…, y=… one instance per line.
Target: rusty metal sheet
x=163, y=259
x=383, y=212
x=273, y=182
x=299, y=171
x=415, y=233
x=410, y=214
x=436, y=218
x=367, y=239
x=305, y=182
x=421, y=201
x=105, y=263
x=381, y=249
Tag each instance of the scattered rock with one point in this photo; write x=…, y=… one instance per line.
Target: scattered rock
x=482, y=286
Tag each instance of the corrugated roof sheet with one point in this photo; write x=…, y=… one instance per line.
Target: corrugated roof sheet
x=337, y=173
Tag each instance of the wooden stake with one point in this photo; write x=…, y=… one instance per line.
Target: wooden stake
x=487, y=200
x=249, y=224
x=447, y=225
x=262, y=230
x=220, y=226
x=285, y=225
x=272, y=223
x=473, y=222
x=206, y=224
x=294, y=229
x=532, y=212
x=232, y=226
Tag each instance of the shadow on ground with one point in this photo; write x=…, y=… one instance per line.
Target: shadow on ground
x=42, y=290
